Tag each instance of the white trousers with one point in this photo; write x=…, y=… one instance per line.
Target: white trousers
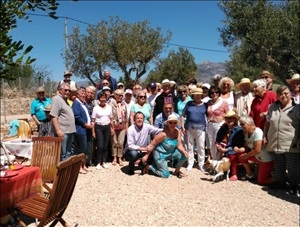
x=212, y=130
x=199, y=136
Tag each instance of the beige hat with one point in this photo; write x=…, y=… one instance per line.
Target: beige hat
x=294, y=77
x=172, y=82
x=197, y=91
x=244, y=81
x=165, y=82
x=232, y=113
x=128, y=91
x=48, y=108
x=67, y=72
x=119, y=92
x=120, y=84
x=40, y=89
x=206, y=85
x=172, y=117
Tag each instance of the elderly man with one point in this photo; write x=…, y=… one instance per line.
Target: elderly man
x=163, y=116
x=63, y=119
x=268, y=78
x=112, y=81
x=138, y=140
x=67, y=79
x=38, y=105
x=244, y=98
x=165, y=96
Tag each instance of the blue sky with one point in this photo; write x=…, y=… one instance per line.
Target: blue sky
x=192, y=23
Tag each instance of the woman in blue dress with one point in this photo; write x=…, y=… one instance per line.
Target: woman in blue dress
x=166, y=146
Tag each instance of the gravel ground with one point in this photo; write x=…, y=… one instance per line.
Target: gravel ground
x=113, y=198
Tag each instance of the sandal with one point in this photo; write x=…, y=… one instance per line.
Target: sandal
x=145, y=169
x=179, y=174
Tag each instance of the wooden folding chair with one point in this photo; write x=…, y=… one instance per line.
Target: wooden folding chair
x=51, y=209
x=46, y=155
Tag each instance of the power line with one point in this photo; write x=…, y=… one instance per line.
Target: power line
x=171, y=44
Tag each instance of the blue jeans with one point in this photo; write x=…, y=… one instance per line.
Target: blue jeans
x=80, y=144
x=66, y=146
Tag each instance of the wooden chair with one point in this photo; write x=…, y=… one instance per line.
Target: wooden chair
x=51, y=209
x=46, y=155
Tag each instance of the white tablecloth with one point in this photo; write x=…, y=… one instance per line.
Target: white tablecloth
x=19, y=148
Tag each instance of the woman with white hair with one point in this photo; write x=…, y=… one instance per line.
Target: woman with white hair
x=260, y=104
x=226, y=85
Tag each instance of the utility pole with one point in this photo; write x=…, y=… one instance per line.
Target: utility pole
x=67, y=44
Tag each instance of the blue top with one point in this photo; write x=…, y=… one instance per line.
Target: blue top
x=236, y=139
x=167, y=146
x=81, y=117
x=181, y=104
x=38, y=108
x=145, y=109
x=160, y=118
x=195, y=116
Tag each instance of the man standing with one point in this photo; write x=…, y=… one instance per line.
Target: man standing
x=67, y=79
x=268, y=78
x=37, y=109
x=138, y=140
x=163, y=116
x=112, y=81
x=63, y=119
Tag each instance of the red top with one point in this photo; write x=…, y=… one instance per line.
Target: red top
x=260, y=105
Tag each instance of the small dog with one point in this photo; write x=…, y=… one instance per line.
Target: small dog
x=219, y=167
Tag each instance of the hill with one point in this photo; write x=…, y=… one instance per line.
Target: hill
x=208, y=69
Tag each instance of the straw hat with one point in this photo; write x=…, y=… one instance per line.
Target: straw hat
x=48, y=108
x=244, y=81
x=67, y=72
x=197, y=91
x=40, y=89
x=172, y=117
x=294, y=77
x=232, y=113
x=165, y=82
x=172, y=82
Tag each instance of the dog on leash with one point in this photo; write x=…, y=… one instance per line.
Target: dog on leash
x=219, y=167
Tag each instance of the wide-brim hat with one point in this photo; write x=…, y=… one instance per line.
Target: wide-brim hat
x=172, y=82
x=40, y=89
x=48, y=108
x=120, y=84
x=232, y=113
x=106, y=88
x=206, y=85
x=244, y=81
x=119, y=92
x=128, y=91
x=197, y=91
x=172, y=117
x=294, y=77
x=67, y=72
x=165, y=82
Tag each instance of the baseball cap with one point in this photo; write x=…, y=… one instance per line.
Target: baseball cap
x=128, y=91
x=152, y=85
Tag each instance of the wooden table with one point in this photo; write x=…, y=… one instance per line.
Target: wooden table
x=17, y=188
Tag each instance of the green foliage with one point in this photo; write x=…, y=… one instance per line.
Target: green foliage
x=178, y=66
x=261, y=35
x=10, y=50
x=117, y=44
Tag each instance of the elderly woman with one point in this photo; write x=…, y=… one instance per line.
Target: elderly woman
x=252, y=151
x=142, y=106
x=167, y=146
x=244, y=98
x=216, y=110
x=120, y=127
x=102, y=116
x=226, y=85
x=294, y=82
x=195, y=125
x=183, y=98
x=229, y=137
x=261, y=102
x=282, y=137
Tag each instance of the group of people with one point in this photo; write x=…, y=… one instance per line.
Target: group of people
x=164, y=124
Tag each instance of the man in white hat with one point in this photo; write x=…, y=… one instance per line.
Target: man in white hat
x=244, y=98
x=38, y=106
x=294, y=82
x=165, y=96
x=67, y=79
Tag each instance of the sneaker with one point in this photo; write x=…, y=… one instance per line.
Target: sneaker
x=105, y=166
x=233, y=178
x=98, y=166
x=189, y=168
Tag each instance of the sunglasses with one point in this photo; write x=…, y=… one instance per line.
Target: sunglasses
x=264, y=77
x=182, y=92
x=142, y=97
x=67, y=90
x=41, y=93
x=242, y=124
x=212, y=93
x=172, y=122
x=105, y=83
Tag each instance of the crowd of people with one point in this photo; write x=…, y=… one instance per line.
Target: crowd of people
x=169, y=125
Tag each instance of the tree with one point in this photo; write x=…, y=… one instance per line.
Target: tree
x=117, y=44
x=178, y=66
x=262, y=35
x=10, y=50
